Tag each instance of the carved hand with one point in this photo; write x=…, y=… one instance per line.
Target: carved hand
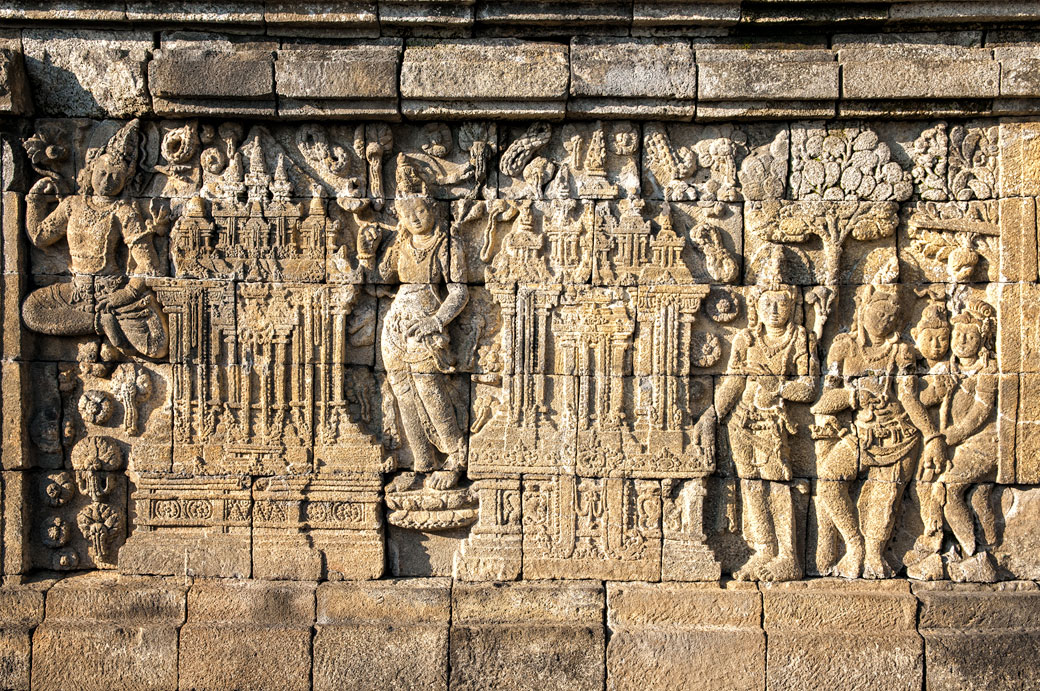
x=933, y=460
x=368, y=240
x=425, y=327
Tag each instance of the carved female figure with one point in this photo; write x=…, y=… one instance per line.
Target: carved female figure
x=968, y=422
x=103, y=297
x=428, y=264
x=871, y=373
x=769, y=366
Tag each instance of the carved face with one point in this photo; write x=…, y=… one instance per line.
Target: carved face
x=775, y=308
x=879, y=317
x=416, y=216
x=933, y=343
x=966, y=340
x=107, y=177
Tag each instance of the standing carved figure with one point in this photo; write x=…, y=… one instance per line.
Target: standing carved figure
x=770, y=365
x=871, y=373
x=428, y=264
x=103, y=297
x=968, y=423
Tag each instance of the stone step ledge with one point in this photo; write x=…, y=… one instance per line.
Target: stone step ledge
x=109, y=631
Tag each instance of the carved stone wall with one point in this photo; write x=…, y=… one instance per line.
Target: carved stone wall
x=697, y=337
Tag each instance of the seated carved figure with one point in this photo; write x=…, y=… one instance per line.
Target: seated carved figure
x=103, y=298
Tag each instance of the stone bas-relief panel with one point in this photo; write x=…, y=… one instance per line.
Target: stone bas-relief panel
x=624, y=350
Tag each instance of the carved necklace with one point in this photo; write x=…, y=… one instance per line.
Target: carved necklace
x=771, y=351
x=886, y=356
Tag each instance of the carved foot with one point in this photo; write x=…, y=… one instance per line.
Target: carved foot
x=876, y=567
x=781, y=569
x=851, y=565
x=926, y=568
x=443, y=479
x=753, y=569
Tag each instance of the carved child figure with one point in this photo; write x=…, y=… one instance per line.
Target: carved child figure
x=769, y=366
x=932, y=337
x=103, y=298
x=872, y=371
x=968, y=421
x=428, y=263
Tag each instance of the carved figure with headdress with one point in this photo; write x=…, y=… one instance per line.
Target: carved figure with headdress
x=105, y=296
x=770, y=366
x=428, y=263
x=871, y=372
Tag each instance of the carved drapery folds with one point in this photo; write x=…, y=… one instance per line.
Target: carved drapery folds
x=614, y=350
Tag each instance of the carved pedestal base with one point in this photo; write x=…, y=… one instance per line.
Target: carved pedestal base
x=493, y=551
x=685, y=555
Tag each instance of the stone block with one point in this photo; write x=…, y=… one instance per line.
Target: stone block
x=15, y=98
x=1018, y=512
x=527, y=635
x=909, y=72
x=322, y=17
x=222, y=12
x=247, y=634
x=1018, y=239
x=21, y=611
x=663, y=633
x=357, y=81
x=196, y=81
x=66, y=10
x=766, y=75
x=391, y=634
x=1027, y=431
x=426, y=17
x=1018, y=71
x=108, y=632
x=669, y=17
x=14, y=503
x=980, y=637
x=93, y=74
x=621, y=78
x=484, y=79
x=1019, y=158
x=831, y=633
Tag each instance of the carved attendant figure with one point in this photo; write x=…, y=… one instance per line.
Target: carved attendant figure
x=100, y=299
x=769, y=366
x=872, y=370
x=969, y=425
x=428, y=264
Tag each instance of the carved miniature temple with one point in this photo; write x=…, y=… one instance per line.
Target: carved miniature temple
x=461, y=321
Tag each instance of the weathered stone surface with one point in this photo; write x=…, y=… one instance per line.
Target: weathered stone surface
x=323, y=17
x=109, y=633
x=197, y=81
x=14, y=87
x=832, y=632
x=766, y=75
x=282, y=335
x=21, y=611
x=254, y=634
x=387, y=634
x=617, y=78
x=527, y=635
x=980, y=637
x=92, y=74
x=495, y=79
x=908, y=72
x=359, y=81
x=687, y=635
